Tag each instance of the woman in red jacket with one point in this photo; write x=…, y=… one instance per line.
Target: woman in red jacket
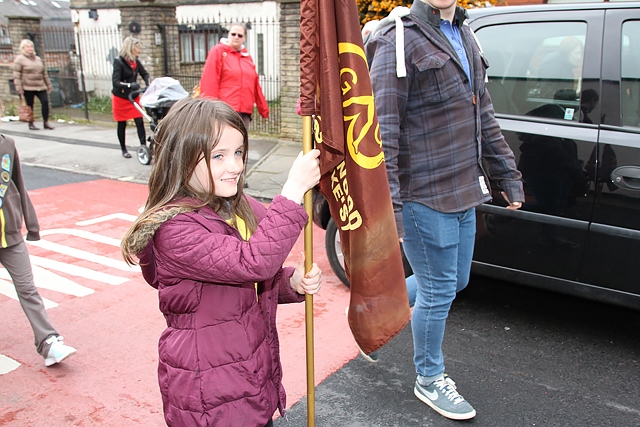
x=215, y=255
x=230, y=75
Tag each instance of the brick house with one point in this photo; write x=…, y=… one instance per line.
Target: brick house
x=175, y=37
x=19, y=20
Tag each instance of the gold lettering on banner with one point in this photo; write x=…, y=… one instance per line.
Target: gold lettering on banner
x=349, y=216
x=317, y=133
x=361, y=106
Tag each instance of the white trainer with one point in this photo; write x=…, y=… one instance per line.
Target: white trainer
x=58, y=351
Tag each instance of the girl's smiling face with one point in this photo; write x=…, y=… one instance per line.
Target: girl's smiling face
x=226, y=168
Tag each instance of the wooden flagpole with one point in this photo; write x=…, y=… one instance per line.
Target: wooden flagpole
x=308, y=300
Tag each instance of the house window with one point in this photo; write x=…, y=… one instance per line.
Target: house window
x=6, y=53
x=4, y=36
x=58, y=39
x=196, y=40
x=260, y=54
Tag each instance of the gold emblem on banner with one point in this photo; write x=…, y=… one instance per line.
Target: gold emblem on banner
x=359, y=109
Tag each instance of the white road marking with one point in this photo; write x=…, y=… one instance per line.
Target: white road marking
x=7, y=289
x=75, y=270
x=109, y=217
x=46, y=279
x=7, y=364
x=87, y=256
x=82, y=234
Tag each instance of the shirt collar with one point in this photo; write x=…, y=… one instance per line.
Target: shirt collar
x=432, y=16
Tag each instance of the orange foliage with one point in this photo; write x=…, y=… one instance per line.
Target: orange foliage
x=378, y=9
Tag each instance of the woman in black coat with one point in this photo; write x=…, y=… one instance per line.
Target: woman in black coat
x=126, y=68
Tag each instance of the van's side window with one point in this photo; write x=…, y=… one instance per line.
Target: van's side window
x=533, y=65
x=630, y=74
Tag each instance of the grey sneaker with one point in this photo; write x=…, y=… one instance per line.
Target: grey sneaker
x=441, y=395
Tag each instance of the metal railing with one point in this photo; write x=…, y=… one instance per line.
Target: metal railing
x=80, y=64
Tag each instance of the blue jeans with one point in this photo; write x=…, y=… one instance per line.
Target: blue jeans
x=439, y=247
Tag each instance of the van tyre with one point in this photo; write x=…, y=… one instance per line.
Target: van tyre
x=334, y=252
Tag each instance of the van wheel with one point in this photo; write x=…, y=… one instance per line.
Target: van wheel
x=334, y=252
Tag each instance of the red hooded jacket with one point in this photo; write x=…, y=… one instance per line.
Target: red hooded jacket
x=230, y=75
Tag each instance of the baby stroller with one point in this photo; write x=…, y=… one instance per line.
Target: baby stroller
x=157, y=99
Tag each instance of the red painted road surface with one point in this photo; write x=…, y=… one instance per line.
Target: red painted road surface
x=111, y=381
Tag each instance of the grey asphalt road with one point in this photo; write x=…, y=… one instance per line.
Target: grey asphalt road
x=38, y=177
x=521, y=356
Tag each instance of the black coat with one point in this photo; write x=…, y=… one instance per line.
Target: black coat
x=123, y=74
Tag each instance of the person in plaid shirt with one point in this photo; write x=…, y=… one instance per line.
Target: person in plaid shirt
x=438, y=133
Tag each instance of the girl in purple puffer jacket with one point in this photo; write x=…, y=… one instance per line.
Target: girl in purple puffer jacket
x=215, y=255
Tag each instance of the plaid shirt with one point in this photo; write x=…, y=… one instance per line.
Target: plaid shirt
x=436, y=130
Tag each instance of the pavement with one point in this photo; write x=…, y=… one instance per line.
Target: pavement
x=93, y=148
x=521, y=357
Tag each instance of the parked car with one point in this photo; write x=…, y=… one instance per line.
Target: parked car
x=565, y=83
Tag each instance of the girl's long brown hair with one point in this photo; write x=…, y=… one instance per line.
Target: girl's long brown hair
x=187, y=134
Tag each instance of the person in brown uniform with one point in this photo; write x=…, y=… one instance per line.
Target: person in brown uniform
x=15, y=205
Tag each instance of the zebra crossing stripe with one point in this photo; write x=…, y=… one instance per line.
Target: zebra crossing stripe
x=7, y=364
x=7, y=289
x=77, y=271
x=118, y=215
x=87, y=256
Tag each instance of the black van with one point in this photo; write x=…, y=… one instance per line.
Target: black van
x=565, y=84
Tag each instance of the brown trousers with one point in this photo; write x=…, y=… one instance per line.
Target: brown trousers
x=16, y=260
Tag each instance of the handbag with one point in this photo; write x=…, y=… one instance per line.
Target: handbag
x=25, y=113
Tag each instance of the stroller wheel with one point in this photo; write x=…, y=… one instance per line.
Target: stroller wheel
x=144, y=155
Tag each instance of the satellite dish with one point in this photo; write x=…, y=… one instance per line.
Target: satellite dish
x=135, y=28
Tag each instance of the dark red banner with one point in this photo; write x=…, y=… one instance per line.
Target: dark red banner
x=335, y=88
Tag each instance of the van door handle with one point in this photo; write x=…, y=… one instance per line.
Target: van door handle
x=627, y=177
